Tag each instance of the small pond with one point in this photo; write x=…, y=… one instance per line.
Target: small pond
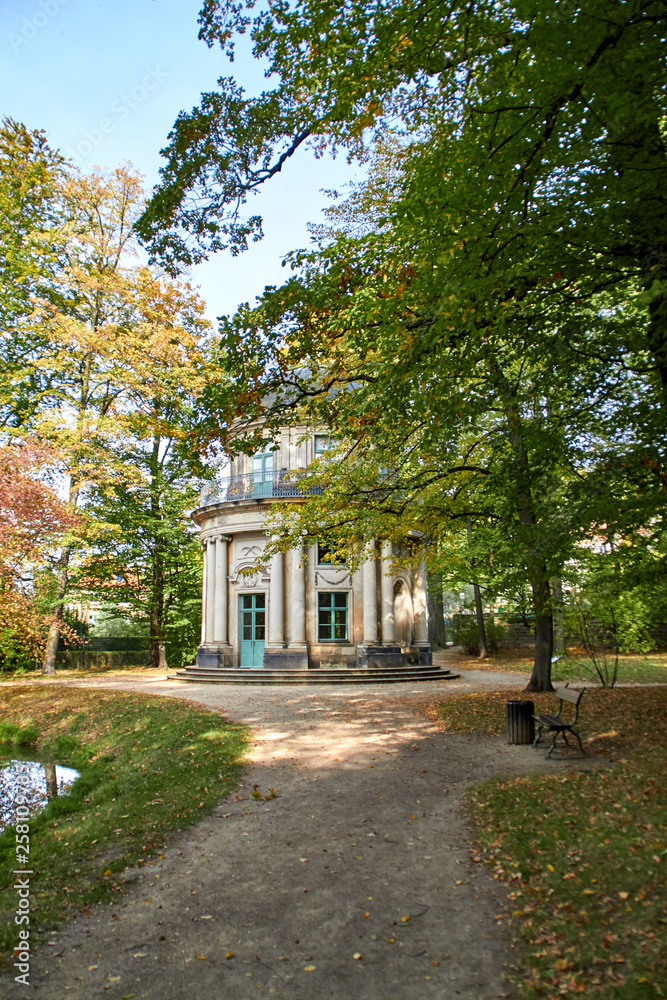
x=37, y=781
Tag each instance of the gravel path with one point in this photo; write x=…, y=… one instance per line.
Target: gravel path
x=354, y=882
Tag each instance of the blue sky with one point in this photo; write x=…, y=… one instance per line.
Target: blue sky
x=106, y=79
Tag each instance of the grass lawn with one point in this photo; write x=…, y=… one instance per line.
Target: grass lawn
x=632, y=669
x=583, y=853
x=70, y=673
x=148, y=766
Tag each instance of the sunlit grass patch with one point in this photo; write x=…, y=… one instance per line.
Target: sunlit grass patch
x=632, y=669
x=148, y=767
x=583, y=853
x=622, y=721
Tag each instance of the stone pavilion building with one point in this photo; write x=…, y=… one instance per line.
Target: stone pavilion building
x=301, y=611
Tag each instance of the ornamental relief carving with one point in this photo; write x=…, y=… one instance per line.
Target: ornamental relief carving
x=251, y=550
x=249, y=582
x=333, y=578
x=247, y=574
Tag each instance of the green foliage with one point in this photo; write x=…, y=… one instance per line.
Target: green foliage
x=149, y=555
x=20, y=736
x=31, y=244
x=466, y=634
x=8, y=731
x=615, y=599
x=104, y=360
x=112, y=622
x=483, y=325
x=27, y=736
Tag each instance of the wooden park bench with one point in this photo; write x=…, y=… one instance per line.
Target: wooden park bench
x=556, y=723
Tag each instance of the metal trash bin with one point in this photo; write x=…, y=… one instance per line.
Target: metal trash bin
x=520, y=721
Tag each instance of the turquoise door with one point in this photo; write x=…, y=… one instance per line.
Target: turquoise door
x=253, y=626
x=262, y=473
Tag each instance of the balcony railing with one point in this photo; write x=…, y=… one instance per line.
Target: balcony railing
x=252, y=486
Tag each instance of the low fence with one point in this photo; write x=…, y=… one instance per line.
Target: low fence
x=504, y=633
x=105, y=651
x=519, y=635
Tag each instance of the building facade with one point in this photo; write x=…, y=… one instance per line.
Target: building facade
x=300, y=610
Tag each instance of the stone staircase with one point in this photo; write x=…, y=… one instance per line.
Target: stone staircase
x=344, y=675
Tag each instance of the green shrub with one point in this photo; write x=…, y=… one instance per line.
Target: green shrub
x=27, y=736
x=467, y=635
x=65, y=747
x=8, y=731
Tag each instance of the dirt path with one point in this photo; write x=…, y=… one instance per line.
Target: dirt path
x=364, y=852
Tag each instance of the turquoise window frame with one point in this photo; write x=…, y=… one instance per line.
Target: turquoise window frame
x=333, y=616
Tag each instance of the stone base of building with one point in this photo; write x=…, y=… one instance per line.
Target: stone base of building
x=286, y=659
x=423, y=655
x=379, y=656
x=215, y=657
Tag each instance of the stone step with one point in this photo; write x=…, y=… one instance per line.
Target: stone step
x=368, y=675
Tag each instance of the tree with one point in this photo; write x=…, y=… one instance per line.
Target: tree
x=34, y=521
x=115, y=349
x=91, y=307
x=515, y=270
x=148, y=556
x=534, y=134
x=31, y=221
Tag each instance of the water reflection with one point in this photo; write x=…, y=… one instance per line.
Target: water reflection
x=36, y=782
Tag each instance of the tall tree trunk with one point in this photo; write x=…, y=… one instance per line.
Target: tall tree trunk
x=540, y=679
x=536, y=567
x=51, y=781
x=157, y=608
x=436, y=612
x=481, y=627
x=157, y=576
x=479, y=610
x=559, y=618
x=53, y=637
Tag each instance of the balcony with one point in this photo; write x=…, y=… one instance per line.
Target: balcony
x=254, y=486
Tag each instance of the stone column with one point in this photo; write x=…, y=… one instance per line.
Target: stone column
x=220, y=616
x=369, y=589
x=387, y=585
x=204, y=588
x=298, y=647
x=210, y=589
x=298, y=608
x=420, y=607
x=276, y=589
